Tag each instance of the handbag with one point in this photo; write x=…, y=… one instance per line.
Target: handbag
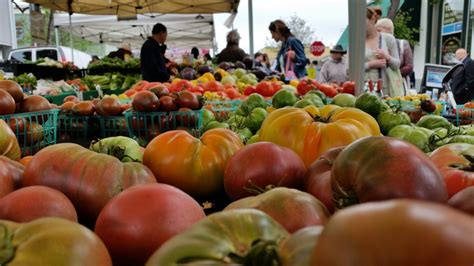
x=289, y=69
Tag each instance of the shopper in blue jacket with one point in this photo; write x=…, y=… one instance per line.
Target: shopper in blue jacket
x=290, y=47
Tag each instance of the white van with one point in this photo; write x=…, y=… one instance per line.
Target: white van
x=58, y=53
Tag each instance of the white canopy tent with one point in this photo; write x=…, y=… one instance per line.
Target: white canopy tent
x=184, y=30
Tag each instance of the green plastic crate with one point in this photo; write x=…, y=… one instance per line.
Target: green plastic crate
x=464, y=115
x=221, y=109
x=144, y=126
x=58, y=99
x=74, y=129
x=111, y=126
x=34, y=130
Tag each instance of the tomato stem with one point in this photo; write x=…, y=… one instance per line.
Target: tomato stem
x=256, y=190
x=262, y=253
x=6, y=246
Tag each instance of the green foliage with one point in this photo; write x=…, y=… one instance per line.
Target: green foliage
x=402, y=31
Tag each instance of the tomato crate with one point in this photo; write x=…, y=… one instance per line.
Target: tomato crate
x=111, y=126
x=464, y=115
x=76, y=129
x=221, y=109
x=34, y=130
x=144, y=126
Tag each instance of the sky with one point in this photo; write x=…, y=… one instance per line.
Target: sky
x=328, y=18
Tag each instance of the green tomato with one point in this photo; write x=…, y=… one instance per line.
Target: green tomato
x=419, y=139
x=462, y=139
x=123, y=148
x=255, y=119
x=284, y=98
x=303, y=103
x=400, y=131
x=433, y=121
x=388, y=119
x=468, y=129
x=253, y=101
x=344, y=100
x=236, y=120
x=253, y=139
x=207, y=116
x=315, y=99
x=244, y=133
x=224, y=238
x=319, y=93
x=216, y=124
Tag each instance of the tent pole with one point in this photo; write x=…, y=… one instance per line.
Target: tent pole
x=251, y=28
x=56, y=35
x=214, y=43
x=357, y=11
x=70, y=38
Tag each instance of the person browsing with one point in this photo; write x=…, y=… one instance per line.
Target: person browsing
x=291, y=48
x=334, y=69
x=152, y=57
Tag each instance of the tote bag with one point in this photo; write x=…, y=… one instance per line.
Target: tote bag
x=394, y=86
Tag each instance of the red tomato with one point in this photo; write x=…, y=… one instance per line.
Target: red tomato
x=318, y=177
x=329, y=90
x=306, y=85
x=463, y=200
x=11, y=173
x=181, y=86
x=249, y=90
x=213, y=85
x=265, y=88
x=292, y=208
x=396, y=232
x=277, y=166
x=29, y=203
x=139, y=220
x=232, y=93
x=348, y=87
x=454, y=161
x=382, y=168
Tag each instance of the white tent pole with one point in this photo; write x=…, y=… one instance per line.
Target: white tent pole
x=56, y=35
x=70, y=38
x=357, y=11
x=251, y=28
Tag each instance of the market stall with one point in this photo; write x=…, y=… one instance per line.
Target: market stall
x=225, y=165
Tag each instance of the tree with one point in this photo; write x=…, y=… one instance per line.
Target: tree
x=401, y=30
x=299, y=28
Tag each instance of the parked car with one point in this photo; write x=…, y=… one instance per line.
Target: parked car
x=58, y=53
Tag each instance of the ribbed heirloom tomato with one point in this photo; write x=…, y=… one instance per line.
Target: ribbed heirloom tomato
x=310, y=137
x=193, y=165
x=9, y=146
x=87, y=178
x=50, y=241
x=10, y=175
x=456, y=163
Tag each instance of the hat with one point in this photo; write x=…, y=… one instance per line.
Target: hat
x=338, y=49
x=126, y=47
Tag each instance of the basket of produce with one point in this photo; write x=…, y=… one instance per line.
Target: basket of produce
x=151, y=115
x=34, y=130
x=465, y=113
x=74, y=129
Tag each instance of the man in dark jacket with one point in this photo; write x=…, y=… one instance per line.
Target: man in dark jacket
x=232, y=53
x=463, y=83
x=152, y=57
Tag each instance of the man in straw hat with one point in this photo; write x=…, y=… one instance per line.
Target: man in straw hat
x=334, y=69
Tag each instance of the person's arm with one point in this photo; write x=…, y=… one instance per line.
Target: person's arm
x=469, y=74
x=407, y=68
x=393, y=59
x=323, y=77
x=298, y=48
